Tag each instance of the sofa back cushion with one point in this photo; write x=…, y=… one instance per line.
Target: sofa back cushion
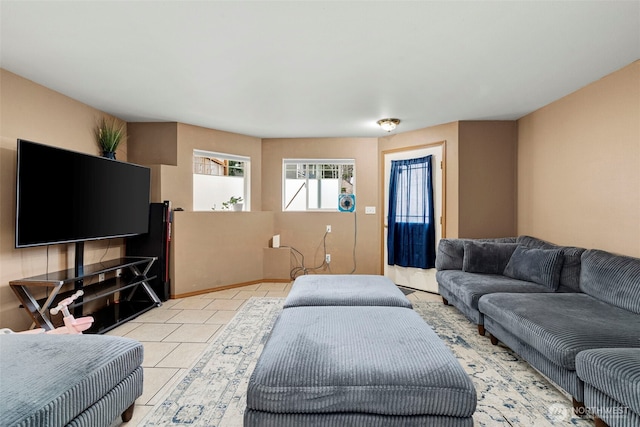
x=450, y=255
x=614, y=279
x=570, y=272
x=486, y=257
x=540, y=266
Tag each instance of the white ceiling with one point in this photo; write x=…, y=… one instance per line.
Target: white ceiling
x=317, y=68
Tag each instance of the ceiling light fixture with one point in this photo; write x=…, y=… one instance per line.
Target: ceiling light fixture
x=388, y=124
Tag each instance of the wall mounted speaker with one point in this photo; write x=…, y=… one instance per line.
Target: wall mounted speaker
x=347, y=202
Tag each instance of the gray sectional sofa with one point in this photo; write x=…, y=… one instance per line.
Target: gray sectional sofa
x=467, y=269
x=539, y=309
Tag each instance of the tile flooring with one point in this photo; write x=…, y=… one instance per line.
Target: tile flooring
x=177, y=333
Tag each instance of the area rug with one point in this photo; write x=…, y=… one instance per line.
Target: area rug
x=510, y=392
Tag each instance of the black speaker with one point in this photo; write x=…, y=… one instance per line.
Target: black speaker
x=155, y=243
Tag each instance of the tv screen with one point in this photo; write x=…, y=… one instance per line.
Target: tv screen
x=64, y=196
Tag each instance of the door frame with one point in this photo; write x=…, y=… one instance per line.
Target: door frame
x=443, y=166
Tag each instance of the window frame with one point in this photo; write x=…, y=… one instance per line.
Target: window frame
x=246, y=176
x=304, y=164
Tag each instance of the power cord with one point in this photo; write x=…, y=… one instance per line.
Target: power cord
x=303, y=270
x=355, y=239
x=105, y=251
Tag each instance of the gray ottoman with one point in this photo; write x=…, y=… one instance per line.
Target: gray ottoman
x=357, y=366
x=611, y=379
x=68, y=380
x=345, y=289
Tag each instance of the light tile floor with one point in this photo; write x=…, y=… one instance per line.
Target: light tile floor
x=177, y=333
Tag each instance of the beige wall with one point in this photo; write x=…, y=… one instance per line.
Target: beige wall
x=305, y=231
x=35, y=113
x=203, y=241
x=487, y=178
x=579, y=166
x=153, y=143
x=170, y=146
x=218, y=249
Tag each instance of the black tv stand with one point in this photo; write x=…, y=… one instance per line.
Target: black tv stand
x=131, y=292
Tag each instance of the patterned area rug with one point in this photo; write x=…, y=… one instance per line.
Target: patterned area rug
x=510, y=392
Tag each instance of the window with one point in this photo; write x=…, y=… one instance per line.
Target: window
x=316, y=184
x=217, y=177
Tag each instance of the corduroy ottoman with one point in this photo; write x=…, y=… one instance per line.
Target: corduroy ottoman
x=68, y=380
x=357, y=366
x=345, y=289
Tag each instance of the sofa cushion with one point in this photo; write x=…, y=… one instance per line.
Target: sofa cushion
x=614, y=371
x=540, y=266
x=611, y=278
x=570, y=272
x=469, y=287
x=362, y=359
x=486, y=257
x=559, y=326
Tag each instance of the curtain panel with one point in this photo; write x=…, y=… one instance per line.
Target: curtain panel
x=411, y=227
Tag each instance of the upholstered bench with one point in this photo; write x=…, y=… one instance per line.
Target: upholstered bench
x=68, y=380
x=611, y=379
x=345, y=289
x=357, y=366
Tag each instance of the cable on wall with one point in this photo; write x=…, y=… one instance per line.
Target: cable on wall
x=355, y=238
x=105, y=251
x=302, y=269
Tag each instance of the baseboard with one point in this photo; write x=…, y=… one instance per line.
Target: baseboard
x=225, y=287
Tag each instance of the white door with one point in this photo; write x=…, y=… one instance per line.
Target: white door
x=416, y=278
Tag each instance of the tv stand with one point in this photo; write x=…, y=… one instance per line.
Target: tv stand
x=130, y=292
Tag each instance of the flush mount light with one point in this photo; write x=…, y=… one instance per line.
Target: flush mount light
x=388, y=124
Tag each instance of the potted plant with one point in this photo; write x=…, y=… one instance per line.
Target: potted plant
x=108, y=136
x=234, y=202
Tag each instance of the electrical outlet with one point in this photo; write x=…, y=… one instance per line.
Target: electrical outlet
x=327, y=258
x=119, y=272
x=101, y=277
x=328, y=229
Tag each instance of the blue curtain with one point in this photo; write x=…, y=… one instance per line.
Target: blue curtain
x=411, y=228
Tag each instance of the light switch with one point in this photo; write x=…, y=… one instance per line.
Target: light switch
x=370, y=210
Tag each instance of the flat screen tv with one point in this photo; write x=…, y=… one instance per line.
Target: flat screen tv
x=63, y=196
